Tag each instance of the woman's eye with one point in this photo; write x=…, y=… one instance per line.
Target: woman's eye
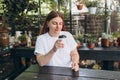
x=54, y=23
x=60, y=23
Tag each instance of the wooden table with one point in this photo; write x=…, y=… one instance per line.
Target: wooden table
x=98, y=53
x=34, y=72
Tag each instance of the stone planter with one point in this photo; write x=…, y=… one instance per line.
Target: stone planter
x=92, y=10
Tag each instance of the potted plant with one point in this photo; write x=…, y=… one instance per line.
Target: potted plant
x=91, y=41
x=79, y=39
x=79, y=4
x=16, y=14
x=92, y=5
x=116, y=38
x=23, y=40
x=105, y=42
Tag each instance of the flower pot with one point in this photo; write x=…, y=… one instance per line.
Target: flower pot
x=23, y=43
x=79, y=44
x=118, y=40
x=92, y=10
x=115, y=44
x=105, y=42
x=33, y=43
x=91, y=45
x=4, y=36
x=79, y=6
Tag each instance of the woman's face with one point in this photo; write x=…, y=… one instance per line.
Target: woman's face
x=55, y=26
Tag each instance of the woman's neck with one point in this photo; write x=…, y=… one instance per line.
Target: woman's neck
x=53, y=35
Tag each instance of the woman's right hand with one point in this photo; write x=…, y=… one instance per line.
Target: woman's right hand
x=58, y=44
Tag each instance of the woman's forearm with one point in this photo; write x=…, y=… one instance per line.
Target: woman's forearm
x=75, y=56
x=44, y=59
x=75, y=60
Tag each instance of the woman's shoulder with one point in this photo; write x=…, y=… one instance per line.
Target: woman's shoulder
x=66, y=33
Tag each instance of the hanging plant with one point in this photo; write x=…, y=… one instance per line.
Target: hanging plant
x=16, y=13
x=13, y=8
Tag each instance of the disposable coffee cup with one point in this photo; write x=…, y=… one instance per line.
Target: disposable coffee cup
x=62, y=37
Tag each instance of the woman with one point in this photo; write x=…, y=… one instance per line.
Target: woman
x=52, y=51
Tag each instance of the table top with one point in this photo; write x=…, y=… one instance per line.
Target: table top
x=34, y=72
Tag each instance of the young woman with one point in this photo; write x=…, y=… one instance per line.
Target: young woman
x=52, y=51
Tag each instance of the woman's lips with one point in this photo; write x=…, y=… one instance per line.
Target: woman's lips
x=57, y=30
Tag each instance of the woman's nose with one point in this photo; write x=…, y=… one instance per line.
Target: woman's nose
x=57, y=26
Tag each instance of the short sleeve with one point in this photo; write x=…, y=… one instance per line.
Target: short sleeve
x=39, y=48
x=72, y=42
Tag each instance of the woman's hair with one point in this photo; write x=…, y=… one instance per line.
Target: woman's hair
x=50, y=16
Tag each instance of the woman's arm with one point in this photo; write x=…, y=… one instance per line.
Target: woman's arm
x=75, y=59
x=44, y=59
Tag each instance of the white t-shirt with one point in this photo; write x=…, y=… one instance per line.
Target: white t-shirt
x=62, y=57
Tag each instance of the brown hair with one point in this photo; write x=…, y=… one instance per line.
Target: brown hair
x=50, y=16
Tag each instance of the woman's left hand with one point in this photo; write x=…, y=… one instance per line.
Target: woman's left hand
x=75, y=66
